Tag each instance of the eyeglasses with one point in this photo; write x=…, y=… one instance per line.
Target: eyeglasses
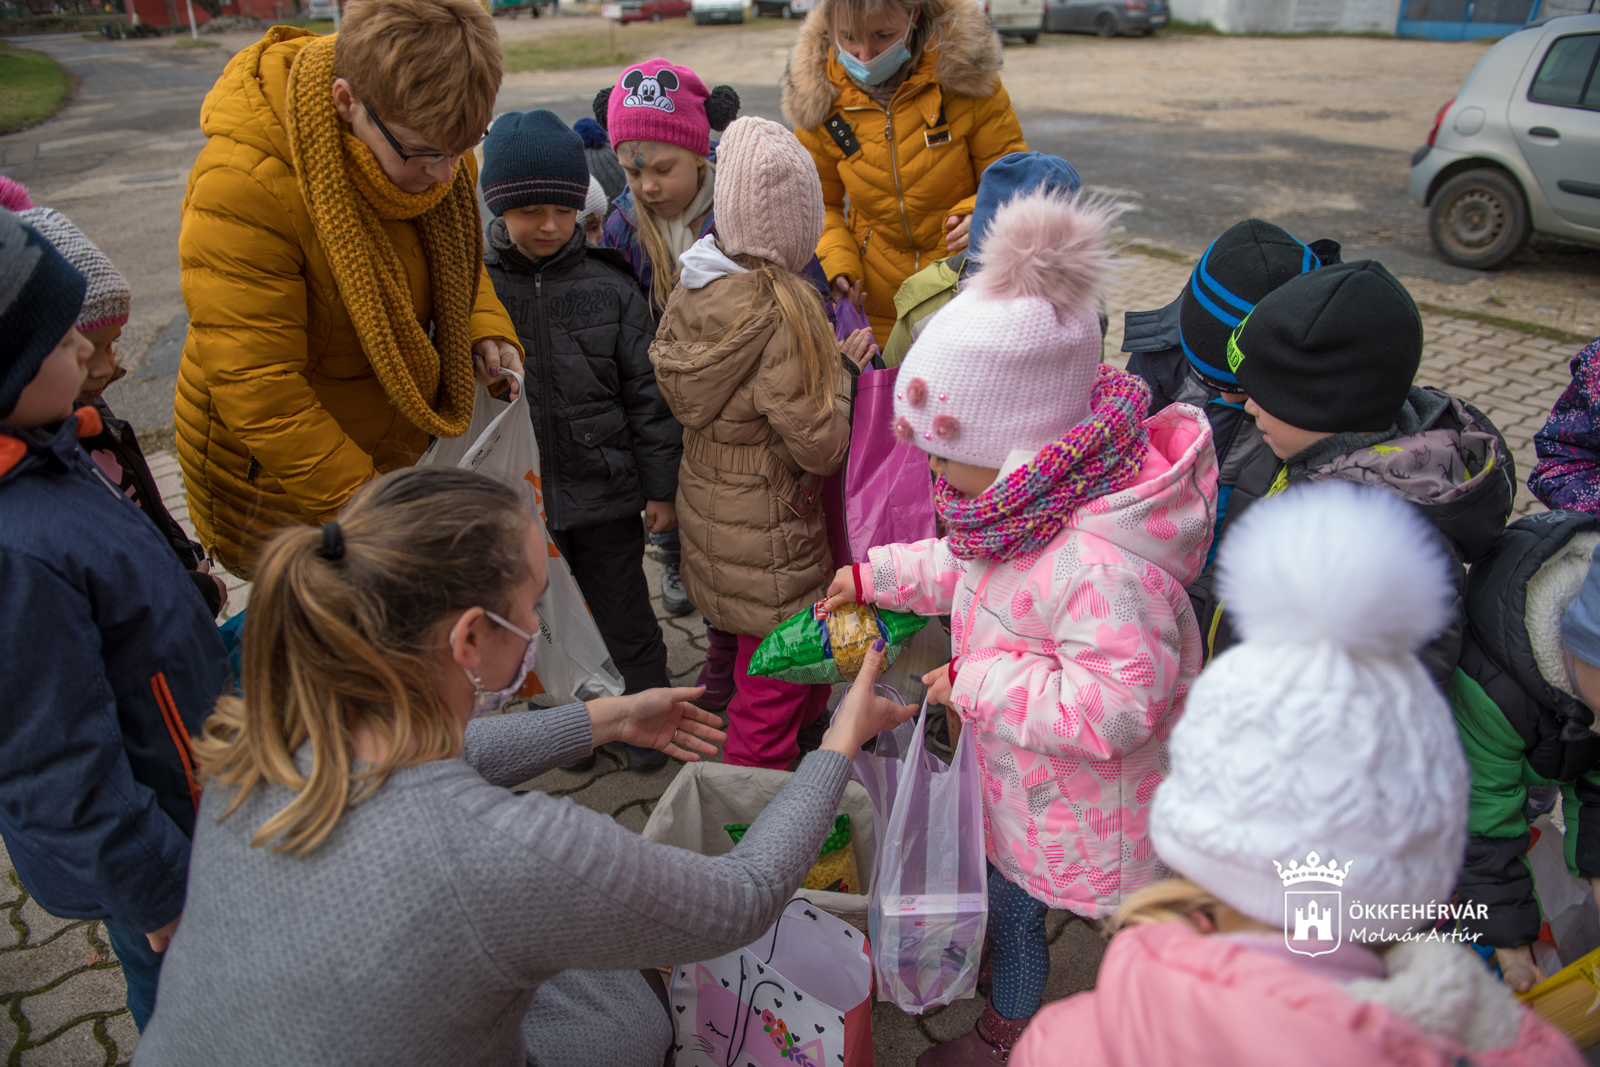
x=417, y=159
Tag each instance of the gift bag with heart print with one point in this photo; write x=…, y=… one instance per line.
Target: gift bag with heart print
x=797, y=997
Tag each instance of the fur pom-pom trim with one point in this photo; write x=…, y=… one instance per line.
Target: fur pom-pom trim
x=14, y=195
x=722, y=107
x=593, y=134
x=601, y=106
x=1049, y=244
x=1338, y=563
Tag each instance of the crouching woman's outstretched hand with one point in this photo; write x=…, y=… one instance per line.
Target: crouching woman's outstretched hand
x=863, y=714
x=658, y=718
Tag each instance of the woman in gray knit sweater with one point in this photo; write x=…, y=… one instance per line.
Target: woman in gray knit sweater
x=364, y=889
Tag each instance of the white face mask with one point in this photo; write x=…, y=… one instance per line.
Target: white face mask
x=485, y=702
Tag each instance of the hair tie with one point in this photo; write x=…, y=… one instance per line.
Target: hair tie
x=332, y=543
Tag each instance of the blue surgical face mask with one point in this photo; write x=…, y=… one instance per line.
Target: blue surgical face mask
x=485, y=702
x=881, y=67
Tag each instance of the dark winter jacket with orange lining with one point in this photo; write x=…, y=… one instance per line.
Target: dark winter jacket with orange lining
x=112, y=661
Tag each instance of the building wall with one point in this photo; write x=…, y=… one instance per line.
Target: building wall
x=1292, y=16
x=176, y=12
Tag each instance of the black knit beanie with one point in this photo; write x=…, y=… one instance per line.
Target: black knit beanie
x=1331, y=351
x=603, y=162
x=40, y=297
x=1249, y=260
x=532, y=157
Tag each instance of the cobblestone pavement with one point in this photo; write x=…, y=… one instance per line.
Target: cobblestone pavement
x=61, y=993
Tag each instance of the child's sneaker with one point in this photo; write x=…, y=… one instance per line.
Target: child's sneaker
x=717, y=673
x=673, y=597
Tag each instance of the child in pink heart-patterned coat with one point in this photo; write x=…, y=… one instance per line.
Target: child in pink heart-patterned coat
x=1075, y=523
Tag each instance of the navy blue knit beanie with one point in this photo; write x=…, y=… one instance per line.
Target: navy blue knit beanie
x=1018, y=172
x=1249, y=260
x=40, y=297
x=532, y=157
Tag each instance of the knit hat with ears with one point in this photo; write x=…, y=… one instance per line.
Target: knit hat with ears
x=107, y=298
x=657, y=101
x=1322, y=732
x=1009, y=363
x=761, y=165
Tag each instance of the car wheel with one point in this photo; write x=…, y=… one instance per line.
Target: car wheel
x=1479, y=219
x=1106, y=24
x=656, y=17
x=1031, y=38
x=786, y=12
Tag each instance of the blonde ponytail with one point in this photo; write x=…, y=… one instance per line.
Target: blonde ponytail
x=331, y=642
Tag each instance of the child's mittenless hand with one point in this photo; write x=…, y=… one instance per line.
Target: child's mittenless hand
x=160, y=939
x=863, y=714
x=939, y=681
x=858, y=348
x=660, y=516
x=842, y=590
x=1518, y=969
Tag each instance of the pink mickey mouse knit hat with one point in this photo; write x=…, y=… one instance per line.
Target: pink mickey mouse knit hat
x=1010, y=362
x=659, y=101
x=759, y=164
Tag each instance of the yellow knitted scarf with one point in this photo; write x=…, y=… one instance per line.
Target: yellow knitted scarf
x=344, y=186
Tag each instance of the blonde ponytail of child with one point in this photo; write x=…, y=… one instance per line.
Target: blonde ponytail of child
x=344, y=628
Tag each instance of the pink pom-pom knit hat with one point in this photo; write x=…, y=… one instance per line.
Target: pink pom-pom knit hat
x=1008, y=365
x=659, y=101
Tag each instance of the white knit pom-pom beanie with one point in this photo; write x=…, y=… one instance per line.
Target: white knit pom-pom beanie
x=1322, y=732
x=1009, y=363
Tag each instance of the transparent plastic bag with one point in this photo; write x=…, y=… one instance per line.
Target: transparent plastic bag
x=928, y=902
x=573, y=663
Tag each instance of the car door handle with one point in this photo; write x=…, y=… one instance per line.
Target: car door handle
x=1544, y=131
x=1567, y=185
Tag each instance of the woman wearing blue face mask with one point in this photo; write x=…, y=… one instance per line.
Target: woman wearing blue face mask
x=364, y=886
x=901, y=106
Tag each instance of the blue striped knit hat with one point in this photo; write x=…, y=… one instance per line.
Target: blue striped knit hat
x=532, y=157
x=1249, y=260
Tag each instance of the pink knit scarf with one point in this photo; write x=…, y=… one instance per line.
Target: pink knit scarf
x=1101, y=455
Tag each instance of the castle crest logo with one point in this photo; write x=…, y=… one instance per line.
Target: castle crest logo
x=1312, y=917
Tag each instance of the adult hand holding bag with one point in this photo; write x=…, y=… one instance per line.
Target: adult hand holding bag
x=499, y=442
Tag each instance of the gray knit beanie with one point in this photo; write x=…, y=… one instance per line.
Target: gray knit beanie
x=107, y=297
x=40, y=296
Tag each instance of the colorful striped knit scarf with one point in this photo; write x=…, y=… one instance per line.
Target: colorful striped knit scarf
x=349, y=196
x=1101, y=455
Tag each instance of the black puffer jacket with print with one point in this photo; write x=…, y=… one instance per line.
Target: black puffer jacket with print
x=607, y=440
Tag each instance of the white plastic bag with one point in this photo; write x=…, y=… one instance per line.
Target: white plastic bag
x=928, y=904
x=499, y=442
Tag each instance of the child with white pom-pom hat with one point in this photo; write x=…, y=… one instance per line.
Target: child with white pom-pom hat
x=1074, y=523
x=1317, y=757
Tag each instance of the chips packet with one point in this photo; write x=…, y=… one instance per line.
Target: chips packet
x=835, y=871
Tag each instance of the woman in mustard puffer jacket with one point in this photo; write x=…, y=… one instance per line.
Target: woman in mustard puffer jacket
x=338, y=304
x=901, y=107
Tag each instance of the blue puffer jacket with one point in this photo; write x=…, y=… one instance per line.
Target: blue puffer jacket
x=112, y=661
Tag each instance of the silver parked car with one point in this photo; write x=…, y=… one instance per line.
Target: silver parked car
x=1518, y=150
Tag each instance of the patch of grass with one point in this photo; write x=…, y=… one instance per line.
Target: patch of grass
x=195, y=42
x=322, y=26
x=46, y=24
x=567, y=52
x=32, y=87
x=1194, y=29
x=1532, y=329
x=1157, y=252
